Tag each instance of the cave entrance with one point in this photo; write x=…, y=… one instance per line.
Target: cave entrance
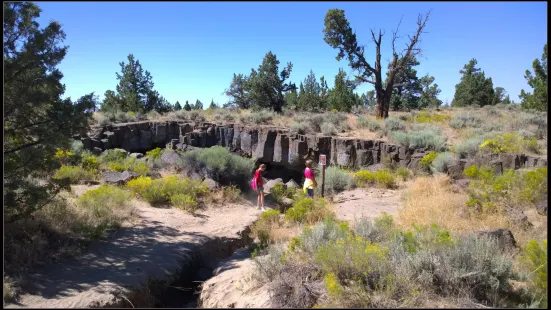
x=275, y=171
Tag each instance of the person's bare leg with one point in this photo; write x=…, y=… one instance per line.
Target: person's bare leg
x=258, y=201
x=262, y=201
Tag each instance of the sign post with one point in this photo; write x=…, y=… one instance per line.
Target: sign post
x=323, y=163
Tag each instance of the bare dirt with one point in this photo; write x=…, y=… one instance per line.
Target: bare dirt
x=154, y=245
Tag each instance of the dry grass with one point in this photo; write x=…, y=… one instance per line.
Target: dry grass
x=433, y=200
x=284, y=233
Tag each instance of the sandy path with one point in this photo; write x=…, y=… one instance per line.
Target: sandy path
x=370, y=203
x=153, y=246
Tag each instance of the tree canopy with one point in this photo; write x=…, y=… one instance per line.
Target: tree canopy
x=36, y=119
x=474, y=88
x=538, y=81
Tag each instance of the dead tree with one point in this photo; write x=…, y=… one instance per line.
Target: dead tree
x=339, y=34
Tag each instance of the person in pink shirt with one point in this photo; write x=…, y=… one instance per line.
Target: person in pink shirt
x=258, y=186
x=309, y=180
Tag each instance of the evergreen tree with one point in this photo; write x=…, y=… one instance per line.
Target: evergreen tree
x=309, y=97
x=538, y=99
x=429, y=93
x=36, y=119
x=474, y=88
x=341, y=97
x=177, y=106
x=187, y=107
x=291, y=99
x=239, y=92
x=324, y=92
x=212, y=105
x=407, y=90
x=198, y=105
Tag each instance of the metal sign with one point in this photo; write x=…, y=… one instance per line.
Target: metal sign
x=323, y=161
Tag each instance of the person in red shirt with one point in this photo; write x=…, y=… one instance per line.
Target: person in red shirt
x=259, y=186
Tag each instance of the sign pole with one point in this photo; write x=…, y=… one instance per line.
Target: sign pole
x=323, y=163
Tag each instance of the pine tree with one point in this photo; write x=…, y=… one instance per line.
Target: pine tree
x=474, y=88
x=198, y=105
x=177, y=106
x=538, y=99
x=36, y=119
x=212, y=105
x=187, y=107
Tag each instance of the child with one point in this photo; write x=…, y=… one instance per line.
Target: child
x=309, y=179
x=259, y=186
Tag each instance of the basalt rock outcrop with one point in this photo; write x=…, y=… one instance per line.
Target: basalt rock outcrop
x=280, y=148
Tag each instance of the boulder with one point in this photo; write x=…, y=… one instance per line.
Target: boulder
x=88, y=182
x=97, y=151
x=517, y=217
x=210, y=183
x=154, y=175
x=291, y=184
x=542, y=208
x=455, y=169
x=136, y=155
x=118, y=177
x=270, y=184
x=504, y=237
x=171, y=157
x=287, y=202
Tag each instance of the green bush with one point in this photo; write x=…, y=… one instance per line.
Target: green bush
x=337, y=180
x=89, y=162
x=394, y=124
x=114, y=155
x=328, y=129
x=510, y=143
x=262, y=227
x=185, y=202
x=299, y=128
x=154, y=153
x=162, y=190
x=404, y=173
x=535, y=258
x=488, y=191
x=383, y=178
x=258, y=118
x=465, y=119
x=279, y=192
x=442, y=161
x=308, y=210
x=75, y=174
x=420, y=139
x=220, y=165
x=362, y=122
x=102, y=207
x=426, y=161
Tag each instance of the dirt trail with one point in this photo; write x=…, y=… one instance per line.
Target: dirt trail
x=232, y=287
x=370, y=203
x=153, y=246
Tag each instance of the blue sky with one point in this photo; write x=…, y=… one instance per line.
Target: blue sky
x=192, y=49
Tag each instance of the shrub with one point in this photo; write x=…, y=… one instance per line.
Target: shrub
x=337, y=180
x=220, y=165
x=105, y=209
x=404, y=173
x=487, y=191
x=114, y=155
x=308, y=210
x=258, y=118
x=279, y=192
x=426, y=117
x=442, y=161
x=162, y=190
x=362, y=122
x=263, y=226
x=154, y=153
x=374, y=126
x=465, y=119
x=328, y=129
x=510, y=143
x=89, y=162
x=393, y=124
x=426, y=161
x=535, y=259
x=184, y=202
x=471, y=146
x=322, y=233
x=75, y=174
x=299, y=128
x=231, y=194
x=382, y=178
x=65, y=157
x=420, y=139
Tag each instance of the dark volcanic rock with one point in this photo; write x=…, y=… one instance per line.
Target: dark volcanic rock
x=504, y=237
x=118, y=177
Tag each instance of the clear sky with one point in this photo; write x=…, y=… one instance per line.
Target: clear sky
x=192, y=49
